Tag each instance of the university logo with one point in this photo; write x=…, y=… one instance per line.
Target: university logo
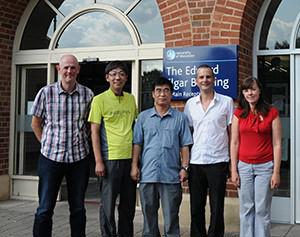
x=171, y=54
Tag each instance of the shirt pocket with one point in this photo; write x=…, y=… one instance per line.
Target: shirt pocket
x=168, y=138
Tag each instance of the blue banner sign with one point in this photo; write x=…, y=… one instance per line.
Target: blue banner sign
x=180, y=67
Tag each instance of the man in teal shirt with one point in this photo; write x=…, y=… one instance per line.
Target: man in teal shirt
x=162, y=138
x=112, y=116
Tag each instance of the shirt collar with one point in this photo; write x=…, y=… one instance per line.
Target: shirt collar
x=110, y=91
x=153, y=112
x=62, y=91
x=216, y=97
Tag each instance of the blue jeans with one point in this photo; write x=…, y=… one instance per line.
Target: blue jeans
x=51, y=174
x=255, y=199
x=170, y=196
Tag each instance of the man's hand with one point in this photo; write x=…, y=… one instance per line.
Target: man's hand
x=135, y=173
x=183, y=175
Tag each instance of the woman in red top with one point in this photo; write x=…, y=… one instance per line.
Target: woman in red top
x=255, y=158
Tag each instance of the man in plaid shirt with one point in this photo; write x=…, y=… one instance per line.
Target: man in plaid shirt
x=59, y=124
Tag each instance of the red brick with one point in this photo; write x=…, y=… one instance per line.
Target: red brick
x=181, y=28
x=185, y=20
x=210, y=3
x=181, y=5
x=178, y=14
x=192, y=4
x=236, y=5
x=235, y=27
x=219, y=41
x=215, y=33
x=201, y=17
x=220, y=2
x=234, y=41
x=172, y=2
x=169, y=9
x=172, y=23
x=220, y=25
x=224, y=10
x=230, y=34
x=201, y=42
x=232, y=19
x=187, y=35
x=174, y=36
x=181, y=43
x=207, y=10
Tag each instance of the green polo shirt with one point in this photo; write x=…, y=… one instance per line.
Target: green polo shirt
x=116, y=115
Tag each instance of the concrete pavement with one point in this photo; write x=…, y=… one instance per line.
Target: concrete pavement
x=16, y=218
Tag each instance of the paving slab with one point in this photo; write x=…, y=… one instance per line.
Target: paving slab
x=16, y=220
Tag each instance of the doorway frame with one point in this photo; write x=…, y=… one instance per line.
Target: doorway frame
x=288, y=208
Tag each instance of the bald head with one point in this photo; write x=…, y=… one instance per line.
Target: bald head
x=68, y=57
x=68, y=68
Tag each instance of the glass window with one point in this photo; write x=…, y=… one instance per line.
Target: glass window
x=68, y=6
x=150, y=70
x=146, y=17
x=35, y=33
x=274, y=72
x=65, y=8
x=53, y=26
x=298, y=39
x=47, y=16
x=120, y=4
x=94, y=29
x=278, y=23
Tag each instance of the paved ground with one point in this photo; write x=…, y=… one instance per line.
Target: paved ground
x=16, y=218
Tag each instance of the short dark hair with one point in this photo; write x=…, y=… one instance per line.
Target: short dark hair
x=206, y=66
x=116, y=64
x=162, y=81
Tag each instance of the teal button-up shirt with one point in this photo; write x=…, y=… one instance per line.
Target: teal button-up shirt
x=161, y=139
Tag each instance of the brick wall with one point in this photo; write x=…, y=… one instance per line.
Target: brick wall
x=211, y=22
x=10, y=12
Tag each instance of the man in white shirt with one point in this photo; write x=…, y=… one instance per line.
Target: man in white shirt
x=209, y=116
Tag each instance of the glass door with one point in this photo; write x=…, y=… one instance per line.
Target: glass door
x=26, y=148
x=274, y=72
x=31, y=80
x=297, y=138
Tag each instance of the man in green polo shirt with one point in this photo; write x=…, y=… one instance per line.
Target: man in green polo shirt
x=112, y=116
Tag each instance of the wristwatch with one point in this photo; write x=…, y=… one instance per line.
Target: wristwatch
x=185, y=168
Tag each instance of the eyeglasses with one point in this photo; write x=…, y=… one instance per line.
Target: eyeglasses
x=115, y=73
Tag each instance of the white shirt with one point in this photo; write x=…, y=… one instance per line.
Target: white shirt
x=210, y=129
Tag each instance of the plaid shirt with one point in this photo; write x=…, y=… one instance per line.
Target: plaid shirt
x=65, y=133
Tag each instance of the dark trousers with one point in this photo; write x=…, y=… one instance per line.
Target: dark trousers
x=117, y=183
x=209, y=179
x=51, y=174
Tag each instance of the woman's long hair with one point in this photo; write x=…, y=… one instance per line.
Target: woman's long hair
x=262, y=106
